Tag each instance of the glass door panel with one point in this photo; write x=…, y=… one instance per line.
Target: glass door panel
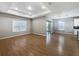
x=48, y=32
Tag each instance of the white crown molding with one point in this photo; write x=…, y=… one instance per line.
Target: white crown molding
x=41, y=14
x=19, y=13
x=22, y=14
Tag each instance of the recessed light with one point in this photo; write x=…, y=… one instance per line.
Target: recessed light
x=29, y=8
x=43, y=7
x=16, y=8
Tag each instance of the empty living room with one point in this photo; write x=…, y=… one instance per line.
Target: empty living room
x=39, y=28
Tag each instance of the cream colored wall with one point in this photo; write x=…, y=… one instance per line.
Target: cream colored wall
x=39, y=26
x=6, y=25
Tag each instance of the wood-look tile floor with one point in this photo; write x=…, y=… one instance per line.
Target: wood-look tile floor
x=35, y=45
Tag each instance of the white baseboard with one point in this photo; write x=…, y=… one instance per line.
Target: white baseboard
x=39, y=34
x=20, y=35
x=13, y=36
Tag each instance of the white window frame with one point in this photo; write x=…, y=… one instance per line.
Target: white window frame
x=18, y=25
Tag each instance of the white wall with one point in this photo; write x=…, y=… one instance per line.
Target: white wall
x=68, y=25
x=6, y=25
x=39, y=25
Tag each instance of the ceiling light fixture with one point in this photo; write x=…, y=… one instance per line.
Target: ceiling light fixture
x=29, y=8
x=44, y=7
x=16, y=8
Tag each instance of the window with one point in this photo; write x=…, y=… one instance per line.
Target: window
x=18, y=26
x=76, y=22
x=60, y=25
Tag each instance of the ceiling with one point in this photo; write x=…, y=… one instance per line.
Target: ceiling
x=36, y=9
x=26, y=9
x=63, y=9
